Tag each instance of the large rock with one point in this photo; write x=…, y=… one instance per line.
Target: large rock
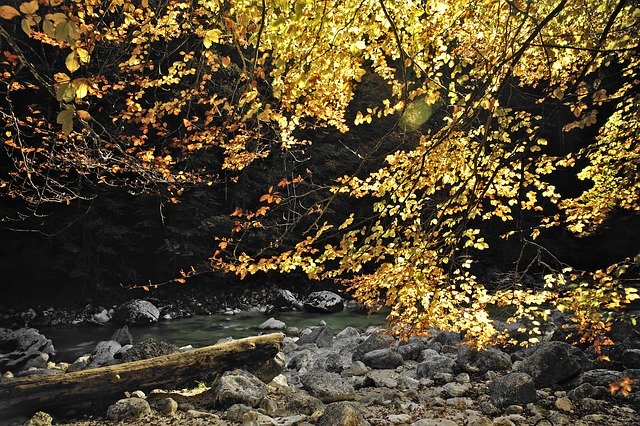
x=272, y=324
x=383, y=359
x=434, y=365
x=473, y=361
x=122, y=336
x=128, y=409
x=284, y=300
x=411, y=350
x=238, y=387
x=321, y=336
x=554, y=362
x=136, y=312
x=373, y=342
x=103, y=354
x=327, y=387
x=323, y=301
x=512, y=389
x=342, y=414
x=17, y=347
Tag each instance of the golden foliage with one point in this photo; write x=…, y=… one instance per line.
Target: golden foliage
x=175, y=78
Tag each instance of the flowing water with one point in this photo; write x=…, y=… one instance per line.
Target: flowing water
x=72, y=341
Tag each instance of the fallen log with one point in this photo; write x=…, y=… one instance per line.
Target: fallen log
x=61, y=392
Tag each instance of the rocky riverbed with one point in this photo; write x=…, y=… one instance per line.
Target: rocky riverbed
x=359, y=377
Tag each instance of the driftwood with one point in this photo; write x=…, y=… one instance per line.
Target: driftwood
x=61, y=392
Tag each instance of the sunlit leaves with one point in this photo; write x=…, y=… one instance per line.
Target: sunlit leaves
x=8, y=12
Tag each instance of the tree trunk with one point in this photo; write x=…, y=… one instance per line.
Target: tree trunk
x=60, y=392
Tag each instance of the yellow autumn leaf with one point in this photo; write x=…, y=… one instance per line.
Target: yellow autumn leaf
x=72, y=62
x=29, y=8
x=83, y=54
x=8, y=12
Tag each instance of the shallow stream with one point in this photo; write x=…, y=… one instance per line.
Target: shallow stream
x=72, y=341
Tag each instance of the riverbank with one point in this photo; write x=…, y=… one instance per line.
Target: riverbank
x=354, y=377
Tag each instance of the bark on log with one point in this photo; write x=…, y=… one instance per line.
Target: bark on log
x=58, y=393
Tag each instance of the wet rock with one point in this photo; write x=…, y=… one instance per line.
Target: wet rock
x=328, y=387
x=238, y=387
x=434, y=365
x=17, y=347
x=554, y=362
x=284, y=300
x=373, y=342
x=136, y=312
x=122, y=336
x=382, y=359
x=272, y=324
x=324, y=302
x=128, y=409
x=514, y=388
x=40, y=419
x=103, y=354
x=474, y=361
x=342, y=414
x=321, y=336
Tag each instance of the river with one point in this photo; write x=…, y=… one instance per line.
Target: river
x=72, y=341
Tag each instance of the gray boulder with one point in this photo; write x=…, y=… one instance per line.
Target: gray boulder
x=327, y=387
x=382, y=359
x=373, y=342
x=348, y=332
x=324, y=302
x=238, y=387
x=272, y=324
x=136, y=312
x=122, y=336
x=128, y=409
x=512, y=389
x=411, y=350
x=434, y=366
x=17, y=347
x=284, y=300
x=321, y=336
x=474, y=361
x=554, y=362
x=104, y=354
x=342, y=414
